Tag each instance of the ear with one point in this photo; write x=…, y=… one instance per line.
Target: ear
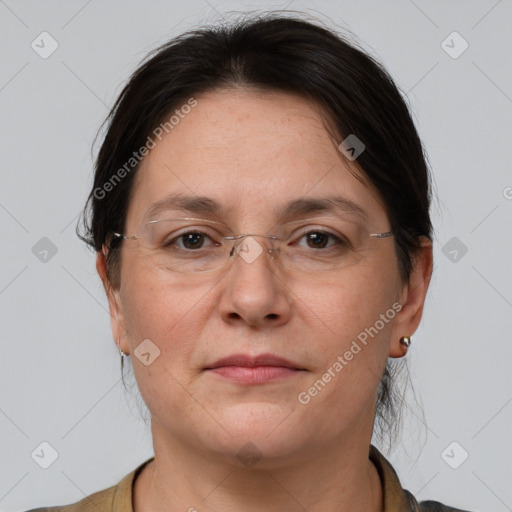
x=115, y=306
x=412, y=298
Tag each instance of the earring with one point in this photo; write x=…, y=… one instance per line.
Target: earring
x=405, y=341
x=123, y=355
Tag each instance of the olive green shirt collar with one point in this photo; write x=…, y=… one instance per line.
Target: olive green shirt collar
x=395, y=498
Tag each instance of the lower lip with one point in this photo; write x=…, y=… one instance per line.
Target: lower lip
x=254, y=375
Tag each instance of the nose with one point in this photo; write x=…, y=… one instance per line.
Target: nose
x=255, y=292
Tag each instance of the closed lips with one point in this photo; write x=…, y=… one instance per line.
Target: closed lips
x=254, y=361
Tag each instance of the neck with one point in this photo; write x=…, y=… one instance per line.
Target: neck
x=179, y=479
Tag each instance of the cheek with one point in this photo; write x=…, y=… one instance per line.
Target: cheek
x=351, y=345
x=339, y=310
x=349, y=325
x=169, y=315
x=160, y=308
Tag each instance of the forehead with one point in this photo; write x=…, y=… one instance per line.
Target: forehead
x=251, y=152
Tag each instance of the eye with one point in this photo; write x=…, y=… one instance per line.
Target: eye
x=192, y=240
x=319, y=240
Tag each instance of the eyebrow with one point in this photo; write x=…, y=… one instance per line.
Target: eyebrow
x=187, y=204
x=294, y=208
x=330, y=205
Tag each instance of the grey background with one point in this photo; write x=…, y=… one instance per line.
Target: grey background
x=59, y=367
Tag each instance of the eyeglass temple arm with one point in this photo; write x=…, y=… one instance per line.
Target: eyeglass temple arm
x=124, y=237
x=382, y=235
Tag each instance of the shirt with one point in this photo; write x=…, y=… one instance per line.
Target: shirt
x=118, y=498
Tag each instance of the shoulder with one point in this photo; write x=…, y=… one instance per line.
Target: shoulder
x=396, y=498
x=435, y=506
x=102, y=500
x=117, y=498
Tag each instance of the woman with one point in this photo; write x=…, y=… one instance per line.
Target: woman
x=260, y=213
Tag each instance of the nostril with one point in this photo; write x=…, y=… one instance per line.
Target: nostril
x=272, y=315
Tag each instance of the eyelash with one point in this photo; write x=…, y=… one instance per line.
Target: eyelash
x=337, y=239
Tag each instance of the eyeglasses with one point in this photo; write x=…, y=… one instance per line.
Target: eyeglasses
x=190, y=245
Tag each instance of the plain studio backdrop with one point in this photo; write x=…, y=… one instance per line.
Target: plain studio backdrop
x=63, y=64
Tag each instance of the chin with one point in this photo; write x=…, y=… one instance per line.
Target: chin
x=258, y=434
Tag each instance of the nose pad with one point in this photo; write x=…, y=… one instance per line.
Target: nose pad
x=274, y=252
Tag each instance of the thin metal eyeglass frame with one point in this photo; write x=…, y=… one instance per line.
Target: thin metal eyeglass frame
x=234, y=237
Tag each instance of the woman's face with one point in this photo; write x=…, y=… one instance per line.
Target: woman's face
x=254, y=154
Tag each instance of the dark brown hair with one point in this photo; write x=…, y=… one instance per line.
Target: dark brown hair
x=273, y=52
